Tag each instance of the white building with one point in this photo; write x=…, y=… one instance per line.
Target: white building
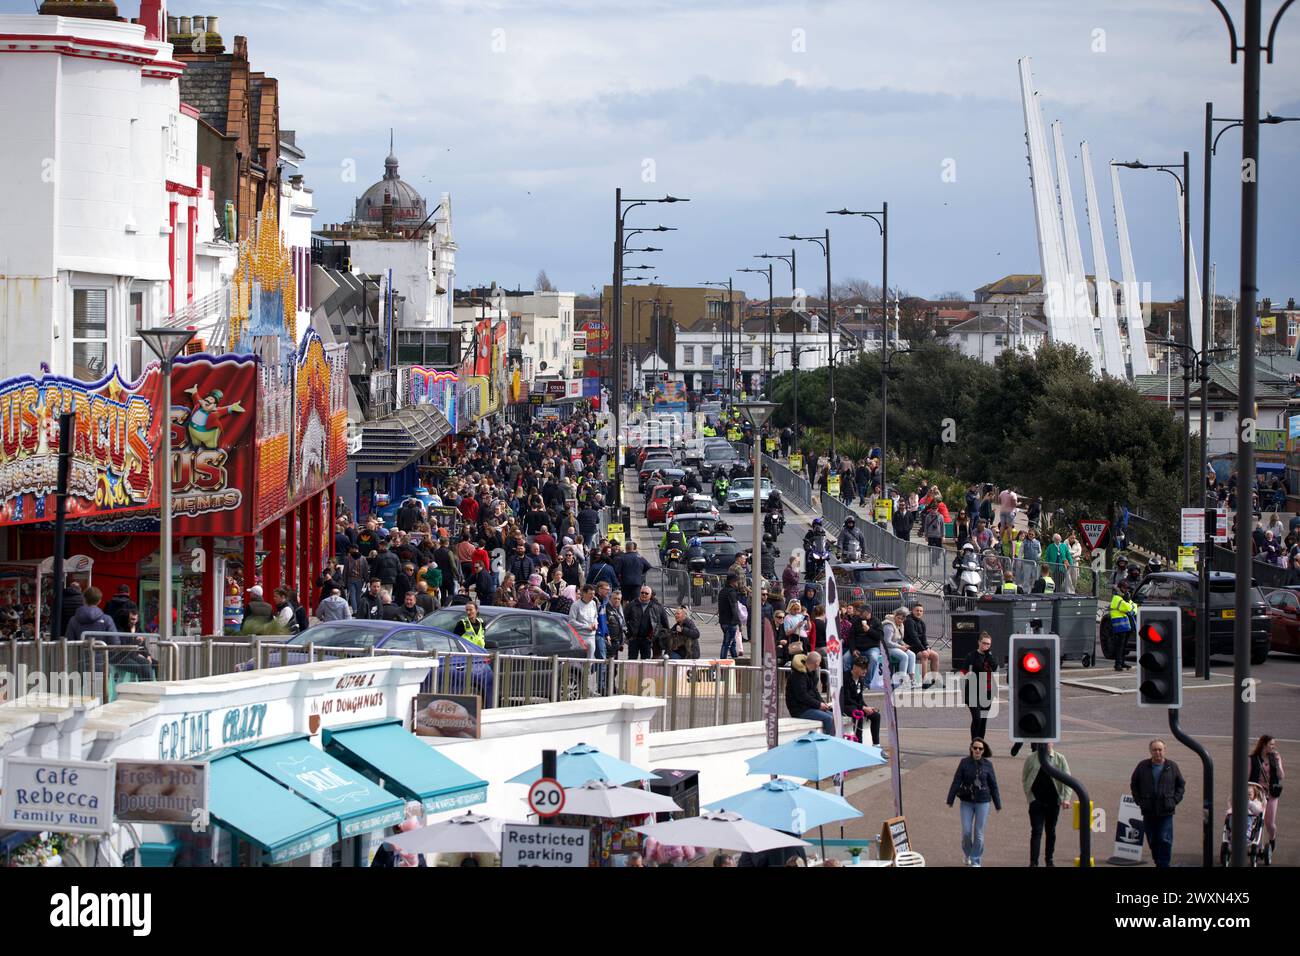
x=107, y=218
x=699, y=353
x=545, y=334
x=393, y=229
x=988, y=336
x=297, y=207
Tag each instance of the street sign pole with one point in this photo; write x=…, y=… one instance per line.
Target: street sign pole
x=550, y=772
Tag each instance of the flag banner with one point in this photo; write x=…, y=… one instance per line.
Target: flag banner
x=891, y=718
x=834, y=651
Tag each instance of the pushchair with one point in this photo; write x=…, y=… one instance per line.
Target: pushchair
x=1258, y=848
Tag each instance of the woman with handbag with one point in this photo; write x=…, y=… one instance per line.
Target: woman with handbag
x=1266, y=770
x=976, y=786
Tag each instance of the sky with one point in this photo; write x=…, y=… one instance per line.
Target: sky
x=765, y=114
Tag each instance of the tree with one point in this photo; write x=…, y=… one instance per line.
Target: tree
x=951, y=296
x=543, y=282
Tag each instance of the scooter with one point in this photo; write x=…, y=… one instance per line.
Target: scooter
x=967, y=579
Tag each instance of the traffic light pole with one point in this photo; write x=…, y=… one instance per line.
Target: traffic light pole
x=1207, y=768
x=1085, y=805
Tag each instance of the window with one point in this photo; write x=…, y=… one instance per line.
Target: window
x=404, y=641
x=139, y=355
x=512, y=634
x=717, y=308
x=1218, y=416
x=708, y=355
x=700, y=359
x=553, y=637
x=89, y=333
x=999, y=341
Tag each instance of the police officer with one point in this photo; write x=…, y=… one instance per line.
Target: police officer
x=720, y=485
x=1045, y=584
x=673, y=537
x=470, y=626
x=1123, y=615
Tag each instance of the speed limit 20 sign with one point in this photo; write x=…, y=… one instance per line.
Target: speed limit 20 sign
x=546, y=797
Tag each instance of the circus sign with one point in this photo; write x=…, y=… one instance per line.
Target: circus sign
x=118, y=428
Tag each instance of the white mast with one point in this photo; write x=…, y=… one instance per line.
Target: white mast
x=1080, y=307
x=1137, y=338
x=1051, y=250
x=1111, y=348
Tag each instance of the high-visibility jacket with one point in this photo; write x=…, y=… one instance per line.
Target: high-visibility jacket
x=1049, y=586
x=1009, y=587
x=709, y=431
x=473, y=631
x=1119, y=607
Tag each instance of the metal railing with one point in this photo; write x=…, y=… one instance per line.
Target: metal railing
x=88, y=668
x=791, y=485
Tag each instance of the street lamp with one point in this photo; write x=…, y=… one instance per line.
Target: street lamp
x=825, y=243
x=770, y=324
x=1187, y=300
x=727, y=340
x=882, y=223
x=757, y=414
x=794, y=342
x=1251, y=48
x=166, y=344
x=621, y=208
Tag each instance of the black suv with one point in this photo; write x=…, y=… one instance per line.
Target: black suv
x=1182, y=589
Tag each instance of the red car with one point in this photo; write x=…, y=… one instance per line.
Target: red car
x=1284, y=620
x=653, y=451
x=657, y=503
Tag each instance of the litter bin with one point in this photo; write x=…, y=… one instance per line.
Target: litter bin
x=965, y=632
x=1016, y=613
x=683, y=786
x=1074, y=620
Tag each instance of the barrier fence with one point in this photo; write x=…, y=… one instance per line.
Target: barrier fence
x=791, y=485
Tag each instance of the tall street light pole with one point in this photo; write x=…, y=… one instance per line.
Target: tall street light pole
x=728, y=358
x=881, y=218
x=767, y=382
x=621, y=208
x=1246, y=388
x=1183, y=190
x=824, y=242
x=166, y=344
x=794, y=343
x=757, y=413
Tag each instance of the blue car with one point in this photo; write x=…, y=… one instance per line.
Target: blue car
x=393, y=637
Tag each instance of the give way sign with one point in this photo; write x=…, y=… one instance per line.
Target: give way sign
x=1093, y=532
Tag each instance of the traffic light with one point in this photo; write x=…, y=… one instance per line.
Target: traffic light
x=1160, y=657
x=1035, y=692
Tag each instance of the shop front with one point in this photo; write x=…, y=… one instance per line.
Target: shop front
x=308, y=765
x=256, y=450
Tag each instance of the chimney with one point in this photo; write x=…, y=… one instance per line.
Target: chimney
x=187, y=27
x=1290, y=304
x=173, y=26
x=388, y=211
x=212, y=26
x=200, y=25
x=153, y=16
x=81, y=9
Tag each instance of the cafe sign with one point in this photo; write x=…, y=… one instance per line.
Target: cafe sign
x=65, y=796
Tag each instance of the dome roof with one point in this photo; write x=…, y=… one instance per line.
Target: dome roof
x=408, y=204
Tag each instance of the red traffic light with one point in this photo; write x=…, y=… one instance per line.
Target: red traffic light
x=1031, y=662
x=1151, y=634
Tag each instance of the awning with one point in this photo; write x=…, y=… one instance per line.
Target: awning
x=255, y=808
x=391, y=443
x=358, y=805
x=407, y=766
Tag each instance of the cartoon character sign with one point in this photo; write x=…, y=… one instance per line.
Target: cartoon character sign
x=202, y=422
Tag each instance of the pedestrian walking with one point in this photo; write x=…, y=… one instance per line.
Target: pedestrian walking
x=1266, y=770
x=1157, y=787
x=979, y=669
x=1047, y=798
x=976, y=785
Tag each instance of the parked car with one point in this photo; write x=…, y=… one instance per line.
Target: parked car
x=1284, y=620
x=1182, y=589
x=882, y=587
x=514, y=632
x=390, y=637
x=740, y=494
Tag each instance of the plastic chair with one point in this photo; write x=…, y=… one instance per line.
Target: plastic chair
x=909, y=858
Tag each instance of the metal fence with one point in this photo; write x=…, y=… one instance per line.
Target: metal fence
x=793, y=486
x=88, y=668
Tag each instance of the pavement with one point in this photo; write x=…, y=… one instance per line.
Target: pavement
x=1105, y=736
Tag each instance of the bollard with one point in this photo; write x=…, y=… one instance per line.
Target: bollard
x=1077, y=805
x=1092, y=861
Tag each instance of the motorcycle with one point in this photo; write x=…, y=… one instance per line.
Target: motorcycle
x=774, y=523
x=851, y=551
x=967, y=579
x=816, y=554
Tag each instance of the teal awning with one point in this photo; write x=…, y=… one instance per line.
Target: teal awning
x=358, y=804
x=407, y=766
x=255, y=808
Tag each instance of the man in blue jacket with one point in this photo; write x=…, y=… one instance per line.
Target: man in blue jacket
x=630, y=568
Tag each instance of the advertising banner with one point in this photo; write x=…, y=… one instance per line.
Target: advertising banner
x=320, y=417
x=160, y=791
x=214, y=411
x=114, y=450
x=448, y=715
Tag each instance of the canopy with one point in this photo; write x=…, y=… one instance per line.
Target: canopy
x=581, y=763
x=785, y=805
x=407, y=766
x=719, y=831
x=257, y=809
x=816, y=756
x=358, y=805
x=465, y=834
